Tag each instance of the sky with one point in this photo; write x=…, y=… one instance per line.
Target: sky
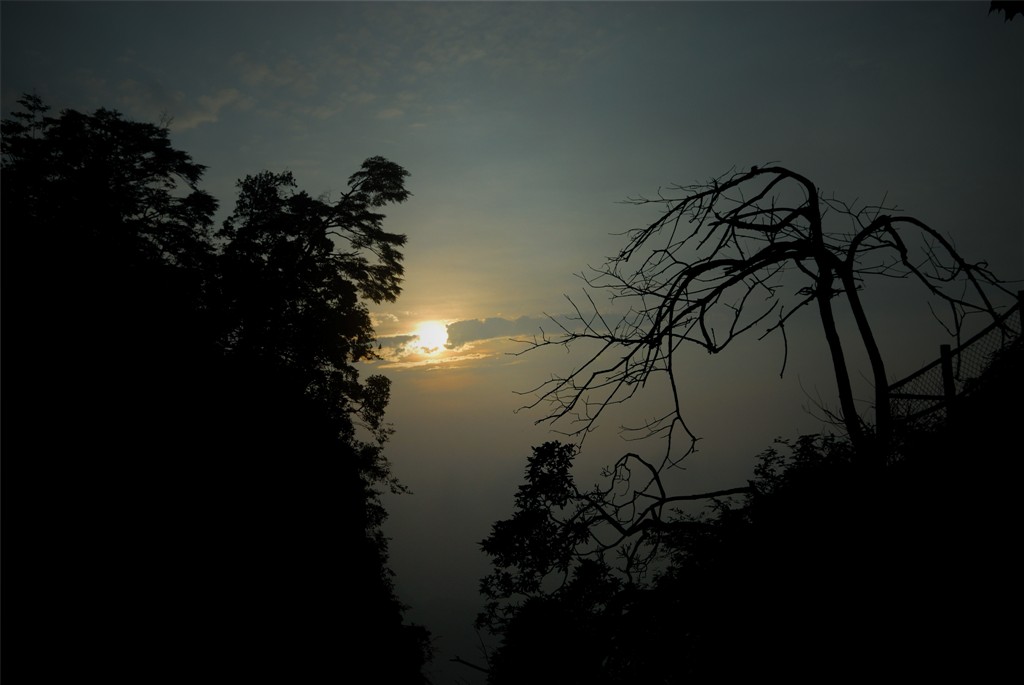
x=524, y=126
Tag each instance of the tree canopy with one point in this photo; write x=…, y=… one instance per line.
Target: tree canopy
x=203, y=457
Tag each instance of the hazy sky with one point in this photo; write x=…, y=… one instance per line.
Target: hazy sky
x=524, y=125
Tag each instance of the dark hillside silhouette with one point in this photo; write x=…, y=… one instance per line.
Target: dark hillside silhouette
x=828, y=569
x=198, y=462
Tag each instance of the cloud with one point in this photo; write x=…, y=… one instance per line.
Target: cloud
x=447, y=362
x=361, y=98
x=390, y=113
x=209, y=108
x=396, y=344
x=319, y=83
x=461, y=333
x=404, y=352
x=379, y=48
x=148, y=100
x=514, y=37
x=286, y=72
x=466, y=340
x=153, y=102
x=381, y=318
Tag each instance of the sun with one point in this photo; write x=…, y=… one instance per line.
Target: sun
x=431, y=337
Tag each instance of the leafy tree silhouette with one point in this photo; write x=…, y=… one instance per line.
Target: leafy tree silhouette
x=203, y=462
x=825, y=569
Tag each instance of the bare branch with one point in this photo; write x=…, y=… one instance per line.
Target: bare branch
x=742, y=252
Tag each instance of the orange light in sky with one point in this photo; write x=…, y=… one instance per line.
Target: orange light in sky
x=431, y=337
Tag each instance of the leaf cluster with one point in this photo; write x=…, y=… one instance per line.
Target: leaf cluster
x=213, y=459
x=536, y=542
x=828, y=558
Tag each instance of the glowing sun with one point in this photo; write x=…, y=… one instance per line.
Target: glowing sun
x=431, y=337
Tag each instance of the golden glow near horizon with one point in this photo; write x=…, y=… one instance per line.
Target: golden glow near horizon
x=431, y=337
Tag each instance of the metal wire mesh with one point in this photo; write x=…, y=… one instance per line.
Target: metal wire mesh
x=922, y=397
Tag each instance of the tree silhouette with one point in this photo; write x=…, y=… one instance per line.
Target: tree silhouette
x=746, y=250
x=826, y=565
x=291, y=298
x=741, y=253
x=1009, y=8
x=203, y=461
x=660, y=594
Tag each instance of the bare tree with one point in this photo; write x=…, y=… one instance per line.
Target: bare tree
x=742, y=253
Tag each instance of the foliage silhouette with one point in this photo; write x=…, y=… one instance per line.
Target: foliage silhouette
x=203, y=461
x=745, y=250
x=805, y=571
x=1009, y=8
x=827, y=567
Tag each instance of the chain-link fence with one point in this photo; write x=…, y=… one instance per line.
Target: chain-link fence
x=923, y=397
